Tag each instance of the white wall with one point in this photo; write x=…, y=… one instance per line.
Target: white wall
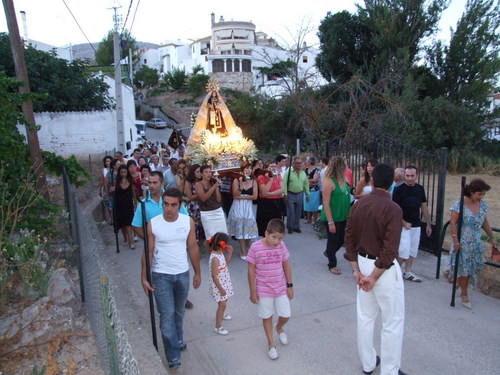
x=79, y=133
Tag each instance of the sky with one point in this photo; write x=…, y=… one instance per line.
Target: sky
x=157, y=21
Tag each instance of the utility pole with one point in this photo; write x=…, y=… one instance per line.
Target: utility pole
x=120, y=126
x=27, y=106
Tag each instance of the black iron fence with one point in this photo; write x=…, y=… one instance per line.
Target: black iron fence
x=362, y=146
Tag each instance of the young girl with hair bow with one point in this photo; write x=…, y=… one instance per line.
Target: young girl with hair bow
x=220, y=286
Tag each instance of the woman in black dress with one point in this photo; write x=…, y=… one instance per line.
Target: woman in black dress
x=125, y=204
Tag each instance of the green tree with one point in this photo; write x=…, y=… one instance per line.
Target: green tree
x=146, y=77
x=468, y=68
x=105, y=51
x=176, y=79
x=197, y=83
x=345, y=46
x=69, y=87
x=383, y=37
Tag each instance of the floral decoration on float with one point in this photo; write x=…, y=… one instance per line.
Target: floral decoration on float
x=215, y=139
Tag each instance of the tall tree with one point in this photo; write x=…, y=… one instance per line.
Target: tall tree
x=345, y=47
x=383, y=37
x=468, y=68
x=68, y=84
x=105, y=51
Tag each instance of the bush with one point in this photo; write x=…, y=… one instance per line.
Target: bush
x=467, y=161
x=23, y=267
x=176, y=79
x=197, y=84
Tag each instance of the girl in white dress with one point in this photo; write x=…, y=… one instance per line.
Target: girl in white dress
x=219, y=284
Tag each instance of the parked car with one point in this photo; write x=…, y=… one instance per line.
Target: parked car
x=156, y=123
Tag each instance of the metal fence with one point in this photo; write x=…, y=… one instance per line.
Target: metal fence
x=362, y=146
x=114, y=349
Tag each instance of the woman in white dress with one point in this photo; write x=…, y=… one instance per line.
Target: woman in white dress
x=241, y=218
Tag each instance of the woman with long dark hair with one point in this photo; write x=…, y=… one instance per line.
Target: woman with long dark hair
x=193, y=176
x=270, y=203
x=125, y=203
x=365, y=184
x=241, y=219
x=209, y=200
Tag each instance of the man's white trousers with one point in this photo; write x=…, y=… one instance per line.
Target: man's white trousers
x=387, y=296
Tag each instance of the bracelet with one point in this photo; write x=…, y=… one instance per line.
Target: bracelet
x=290, y=285
x=453, y=235
x=331, y=222
x=356, y=270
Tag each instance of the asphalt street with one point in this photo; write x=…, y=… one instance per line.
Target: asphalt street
x=439, y=339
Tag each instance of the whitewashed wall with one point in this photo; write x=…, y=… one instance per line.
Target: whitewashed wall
x=87, y=133
x=80, y=133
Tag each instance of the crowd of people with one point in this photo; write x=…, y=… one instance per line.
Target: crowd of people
x=190, y=208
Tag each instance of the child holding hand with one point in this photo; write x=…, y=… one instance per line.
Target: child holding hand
x=220, y=286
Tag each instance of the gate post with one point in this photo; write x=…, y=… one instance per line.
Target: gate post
x=443, y=159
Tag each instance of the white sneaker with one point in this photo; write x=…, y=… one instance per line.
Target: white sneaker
x=412, y=277
x=283, y=338
x=136, y=239
x=243, y=257
x=227, y=317
x=221, y=331
x=272, y=353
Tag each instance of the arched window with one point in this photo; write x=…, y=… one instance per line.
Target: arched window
x=236, y=65
x=218, y=66
x=229, y=65
x=246, y=66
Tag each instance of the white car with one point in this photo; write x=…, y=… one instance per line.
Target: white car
x=156, y=123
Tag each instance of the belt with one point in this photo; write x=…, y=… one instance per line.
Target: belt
x=372, y=257
x=368, y=256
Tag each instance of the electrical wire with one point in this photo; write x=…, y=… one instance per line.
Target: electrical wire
x=133, y=19
x=126, y=18
x=72, y=15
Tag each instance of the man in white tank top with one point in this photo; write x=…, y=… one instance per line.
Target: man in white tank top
x=171, y=239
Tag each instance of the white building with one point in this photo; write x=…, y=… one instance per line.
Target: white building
x=233, y=54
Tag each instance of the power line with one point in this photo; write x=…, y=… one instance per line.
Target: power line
x=79, y=26
x=126, y=18
x=133, y=19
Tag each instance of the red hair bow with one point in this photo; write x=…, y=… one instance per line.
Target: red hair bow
x=222, y=245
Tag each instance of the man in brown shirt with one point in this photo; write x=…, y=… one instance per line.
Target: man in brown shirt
x=372, y=239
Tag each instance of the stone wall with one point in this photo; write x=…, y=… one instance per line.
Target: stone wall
x=240, y=81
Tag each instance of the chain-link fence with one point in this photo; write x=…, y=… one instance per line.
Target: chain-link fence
x=110, y=336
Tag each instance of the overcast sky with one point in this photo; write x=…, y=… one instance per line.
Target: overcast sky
x=156, y=21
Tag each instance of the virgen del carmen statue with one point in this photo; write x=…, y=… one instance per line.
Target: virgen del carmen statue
x=215, y=139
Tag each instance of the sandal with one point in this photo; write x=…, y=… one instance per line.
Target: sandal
x=465, y=302
x=335, y=271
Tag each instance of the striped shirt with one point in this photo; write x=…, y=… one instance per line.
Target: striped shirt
x=270, y=277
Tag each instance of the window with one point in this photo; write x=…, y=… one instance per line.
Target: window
x=217, y=66
x=246, y=66
x=145, y=61
x=304, y=59
x=236, y=65
x=229, y=65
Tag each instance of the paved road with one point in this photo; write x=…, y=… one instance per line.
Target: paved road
x=439, y=339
